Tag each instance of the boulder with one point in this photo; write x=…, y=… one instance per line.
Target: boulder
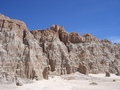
x=107, y=74
x=83, y=69
x=19, y=83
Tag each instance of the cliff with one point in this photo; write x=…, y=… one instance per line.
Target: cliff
x=53, y=51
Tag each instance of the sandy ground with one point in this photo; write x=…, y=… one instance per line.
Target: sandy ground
x=75, y=81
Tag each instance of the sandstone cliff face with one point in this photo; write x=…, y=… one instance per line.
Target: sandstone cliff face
x=40, y=53
x=70, y=52
x=20, y=53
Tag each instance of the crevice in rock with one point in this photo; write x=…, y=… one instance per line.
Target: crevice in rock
x=52, y=63
x=25, y=41
x=45, y=73
x=68, y=68
x=2, y=25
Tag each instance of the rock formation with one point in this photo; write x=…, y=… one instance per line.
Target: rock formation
x=40, y=53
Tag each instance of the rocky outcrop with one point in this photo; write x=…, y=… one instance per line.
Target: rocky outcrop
x=39, y=54
x=20, y=52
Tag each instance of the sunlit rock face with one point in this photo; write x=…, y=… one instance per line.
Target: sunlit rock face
x=39, y=54
x=20, y=53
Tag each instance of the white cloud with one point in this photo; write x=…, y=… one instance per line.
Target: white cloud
x=114, y=39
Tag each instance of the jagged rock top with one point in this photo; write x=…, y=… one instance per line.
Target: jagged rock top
x=56, y=31
x=11, y=23
x=57, y=28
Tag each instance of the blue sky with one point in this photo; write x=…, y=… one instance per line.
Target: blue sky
x=100, y=18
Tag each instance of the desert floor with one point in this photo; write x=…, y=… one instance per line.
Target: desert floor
x=74, y=81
